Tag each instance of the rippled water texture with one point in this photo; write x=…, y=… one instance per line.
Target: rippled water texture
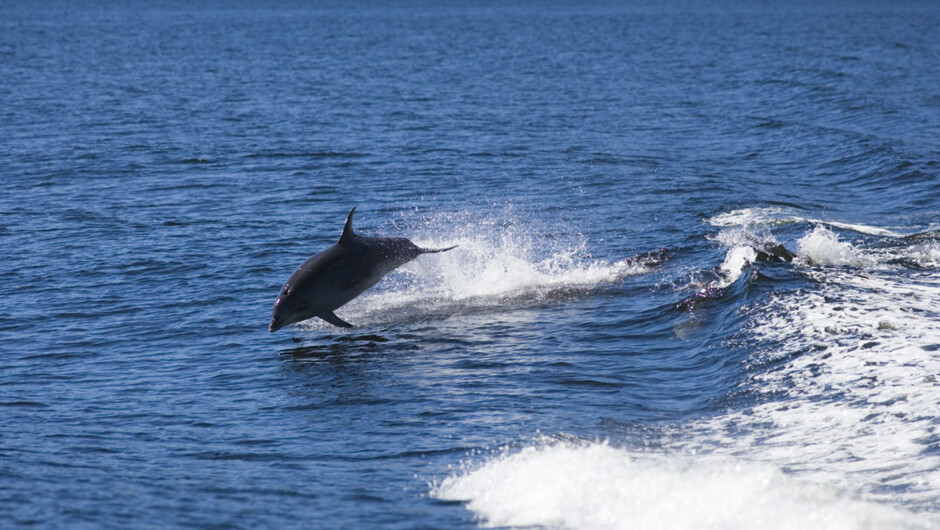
x=696, y=283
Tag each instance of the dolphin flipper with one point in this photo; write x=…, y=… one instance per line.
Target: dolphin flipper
x=331, y=317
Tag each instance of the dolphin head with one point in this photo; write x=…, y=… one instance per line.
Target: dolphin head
x=286, y=311
x=278, y=316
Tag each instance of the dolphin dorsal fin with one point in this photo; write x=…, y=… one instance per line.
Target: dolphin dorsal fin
x=348, y=233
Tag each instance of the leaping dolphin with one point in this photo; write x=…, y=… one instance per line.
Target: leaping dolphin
x=330, y=279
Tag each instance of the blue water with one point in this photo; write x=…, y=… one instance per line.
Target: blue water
x=164, y=170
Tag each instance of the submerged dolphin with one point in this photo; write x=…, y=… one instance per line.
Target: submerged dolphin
x=340, y=273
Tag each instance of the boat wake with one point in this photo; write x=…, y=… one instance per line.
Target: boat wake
x=834, y=419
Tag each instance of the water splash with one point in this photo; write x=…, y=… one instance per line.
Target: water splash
x=822, y=247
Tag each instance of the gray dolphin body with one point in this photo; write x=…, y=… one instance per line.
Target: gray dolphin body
x=340, y=273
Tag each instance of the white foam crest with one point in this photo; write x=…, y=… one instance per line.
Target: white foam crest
x=779, y=216
x=735, y=260
x=753, y=236
x=596, y=486
x=488, y=269
x=860, y=228
x=822, y=247
x=746, y=216
x=742, y=244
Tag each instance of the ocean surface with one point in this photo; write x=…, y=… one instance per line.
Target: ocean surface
x=697, y=282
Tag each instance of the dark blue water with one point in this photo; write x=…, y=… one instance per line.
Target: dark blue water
x=164, y=169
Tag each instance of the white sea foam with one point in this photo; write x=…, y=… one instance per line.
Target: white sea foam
x=862, y=402
x=925, y=254
x=596, y=486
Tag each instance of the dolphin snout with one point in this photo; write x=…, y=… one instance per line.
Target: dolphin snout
x=275, y=325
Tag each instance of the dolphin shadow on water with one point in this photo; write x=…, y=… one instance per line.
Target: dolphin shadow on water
x=330, y=279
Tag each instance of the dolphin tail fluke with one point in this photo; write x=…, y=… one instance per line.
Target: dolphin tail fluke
x=436, y=250
x=331, y=317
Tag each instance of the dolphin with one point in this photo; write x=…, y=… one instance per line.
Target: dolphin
x=330, y=279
